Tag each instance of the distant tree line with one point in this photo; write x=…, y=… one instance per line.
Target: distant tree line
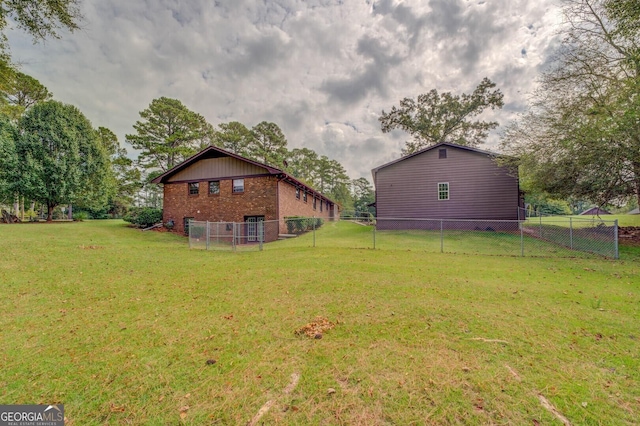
x=168, y=133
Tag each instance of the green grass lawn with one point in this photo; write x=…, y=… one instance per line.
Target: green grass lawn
x=119, y=324
x=579, y=220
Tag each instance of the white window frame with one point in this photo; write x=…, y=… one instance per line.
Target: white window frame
x=236, y=187
x=445, y=190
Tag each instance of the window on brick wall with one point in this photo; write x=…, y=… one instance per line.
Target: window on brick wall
x=321, y=203
x=238, y=186
x=304, y=197
x=214, y=187
x=194, y=188
x=314, y=202
x=298, y=193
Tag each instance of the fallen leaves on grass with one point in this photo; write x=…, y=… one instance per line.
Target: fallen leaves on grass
x=83, y=247
x=183, y=411
x=116, y=408
x=315, y=328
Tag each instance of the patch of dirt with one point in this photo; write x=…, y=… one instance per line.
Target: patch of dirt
x=161, y=229
x=629, y=235
x=316, y=328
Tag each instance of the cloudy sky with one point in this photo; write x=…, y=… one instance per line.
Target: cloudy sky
x=323, y=70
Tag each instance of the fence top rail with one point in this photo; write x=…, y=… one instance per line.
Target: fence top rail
x=546, y=220
x=564, y=219
x=445, y=220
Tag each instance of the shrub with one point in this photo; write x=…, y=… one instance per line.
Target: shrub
x=80, y=216
x=291, y=225
x=298, y=224
x=143, y=217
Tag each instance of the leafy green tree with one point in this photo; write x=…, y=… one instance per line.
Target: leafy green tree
x=268, y=144
x=233, y=137
x=363, y=195
x=127, y=177
x=8, y=161
x=433, y=118
x=39, y=18
x=168, y=134
x=27, y=91
x=20, y=92
x=302, y=163
x=581, y=136
x=60, y=159
x=332, y=180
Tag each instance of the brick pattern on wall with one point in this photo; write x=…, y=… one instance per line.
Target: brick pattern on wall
x=258, y=199
x=291, y=206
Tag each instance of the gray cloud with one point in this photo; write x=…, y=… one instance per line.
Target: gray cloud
x=372, y=77
x=322, y=69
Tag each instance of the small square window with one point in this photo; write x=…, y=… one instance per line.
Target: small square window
x=214, y=187
x=442, y=153
x=443, y=191
x=298, y=193
x=304, y=197
x=194, y=188
x=238, y=186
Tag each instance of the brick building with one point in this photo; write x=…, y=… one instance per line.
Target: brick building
x=219, y=186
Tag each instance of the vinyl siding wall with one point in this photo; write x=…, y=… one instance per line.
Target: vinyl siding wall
x=478, y=187
x=212, y=168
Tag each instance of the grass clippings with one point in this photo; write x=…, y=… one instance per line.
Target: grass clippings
x=315, y=329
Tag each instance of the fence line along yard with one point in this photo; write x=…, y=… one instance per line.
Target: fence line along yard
x=531, y=236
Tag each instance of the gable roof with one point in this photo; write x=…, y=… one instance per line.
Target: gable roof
x=441, y=144
x=215, y=152
x=595, y=211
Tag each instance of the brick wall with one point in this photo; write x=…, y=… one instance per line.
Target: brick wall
x=291, y=206
x=258, y=199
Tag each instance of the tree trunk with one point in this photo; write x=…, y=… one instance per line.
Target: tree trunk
x=50, y=208
x=636, y=172
x=70, y=214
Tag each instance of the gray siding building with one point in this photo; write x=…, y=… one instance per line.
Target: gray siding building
x=447, y=181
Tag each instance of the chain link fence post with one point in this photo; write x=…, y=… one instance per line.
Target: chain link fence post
x=570, y=232
x=441, y=237
x=521, y=239
x=260, y=233
x=374, y=236
x=314, y=230
x=208, y=235
x=233, y=239
x=540, y=226
x=615, y=239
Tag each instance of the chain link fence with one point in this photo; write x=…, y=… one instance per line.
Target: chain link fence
x=531, y=236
